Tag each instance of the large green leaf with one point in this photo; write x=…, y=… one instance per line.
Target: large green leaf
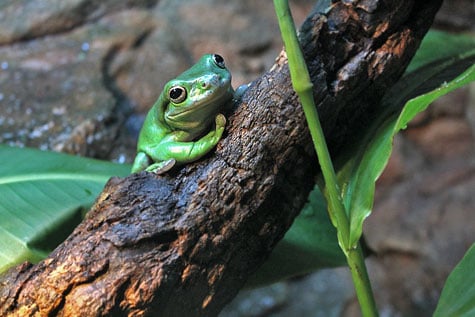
x=42, y=195
x=366, y=161
x=458, y=295
x=310, y=244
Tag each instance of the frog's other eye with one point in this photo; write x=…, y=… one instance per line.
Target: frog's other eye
x=219, y=61
x=177, y=94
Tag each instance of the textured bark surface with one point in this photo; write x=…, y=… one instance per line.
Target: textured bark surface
x=184, y=243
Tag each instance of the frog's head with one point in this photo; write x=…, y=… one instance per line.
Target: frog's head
x=196, y=96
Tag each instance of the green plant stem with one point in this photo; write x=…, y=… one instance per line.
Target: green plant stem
x=303, y=87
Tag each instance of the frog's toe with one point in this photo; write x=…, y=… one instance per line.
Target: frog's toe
x=220, y=120
x=161, y=167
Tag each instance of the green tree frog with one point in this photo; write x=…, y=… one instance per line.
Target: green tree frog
x=174, y=131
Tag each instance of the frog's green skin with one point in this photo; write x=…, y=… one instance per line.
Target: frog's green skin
x=184, y=111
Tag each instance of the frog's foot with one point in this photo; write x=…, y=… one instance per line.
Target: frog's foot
x=220, y=121
x=240, y=92
x=161, y=167
x=214, y=136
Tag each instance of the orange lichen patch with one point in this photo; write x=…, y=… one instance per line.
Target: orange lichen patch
x=141, y=290
x=394, y=49
x=48, y=261
x=65, y=268
x=187, y=272
x=280, y=61
x=202, y=244
x=381, y=29
x=27, y=310
x=207, y=300
x=397, y=44
x=215, y=273
x=132, y=295
x=103, y=197
x=217, y=240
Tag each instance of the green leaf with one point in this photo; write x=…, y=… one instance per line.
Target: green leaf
x=42, y=195
x=439, y=46
x=458, y=295
x=366, y=160
x=310, y=244
x=360, y=173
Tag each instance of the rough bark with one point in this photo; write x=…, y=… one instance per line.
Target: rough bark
x=184, y=243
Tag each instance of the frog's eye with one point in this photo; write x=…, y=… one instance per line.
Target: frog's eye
x=219, y=61
x=177, y=94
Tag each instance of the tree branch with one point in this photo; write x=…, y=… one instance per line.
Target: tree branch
x=184, y=243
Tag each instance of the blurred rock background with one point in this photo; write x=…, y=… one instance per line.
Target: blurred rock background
x=78, y=76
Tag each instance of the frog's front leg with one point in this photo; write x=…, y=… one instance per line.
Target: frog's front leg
x=185, y=152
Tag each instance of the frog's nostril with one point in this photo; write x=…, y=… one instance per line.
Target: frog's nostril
x=209, y=82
